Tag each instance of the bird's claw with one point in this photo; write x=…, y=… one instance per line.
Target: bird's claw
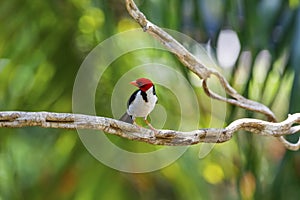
x=149, y=125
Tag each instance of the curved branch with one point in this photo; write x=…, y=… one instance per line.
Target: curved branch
x=240, y=101
x=17, y=119
x=194, y=64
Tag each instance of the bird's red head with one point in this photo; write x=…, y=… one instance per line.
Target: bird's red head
x=143, y=83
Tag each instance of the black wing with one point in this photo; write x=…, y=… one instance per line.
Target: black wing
x=144, y=95
x=132, y=97
x=154, y=93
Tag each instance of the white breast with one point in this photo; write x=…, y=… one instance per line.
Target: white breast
x=140, y=108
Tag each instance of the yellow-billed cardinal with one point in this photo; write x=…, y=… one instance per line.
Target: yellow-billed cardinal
x=141, y=102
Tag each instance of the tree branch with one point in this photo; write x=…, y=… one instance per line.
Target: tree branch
x=17, y=119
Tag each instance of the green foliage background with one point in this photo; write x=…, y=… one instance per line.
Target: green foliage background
x=42, y=45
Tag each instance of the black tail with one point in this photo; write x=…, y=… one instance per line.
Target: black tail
x=126, y=118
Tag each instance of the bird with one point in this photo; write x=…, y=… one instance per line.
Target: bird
x=141, y=102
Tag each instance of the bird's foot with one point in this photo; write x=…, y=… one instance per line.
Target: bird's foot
x=150, y=126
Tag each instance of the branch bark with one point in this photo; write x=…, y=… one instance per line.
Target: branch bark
x=17, y=119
